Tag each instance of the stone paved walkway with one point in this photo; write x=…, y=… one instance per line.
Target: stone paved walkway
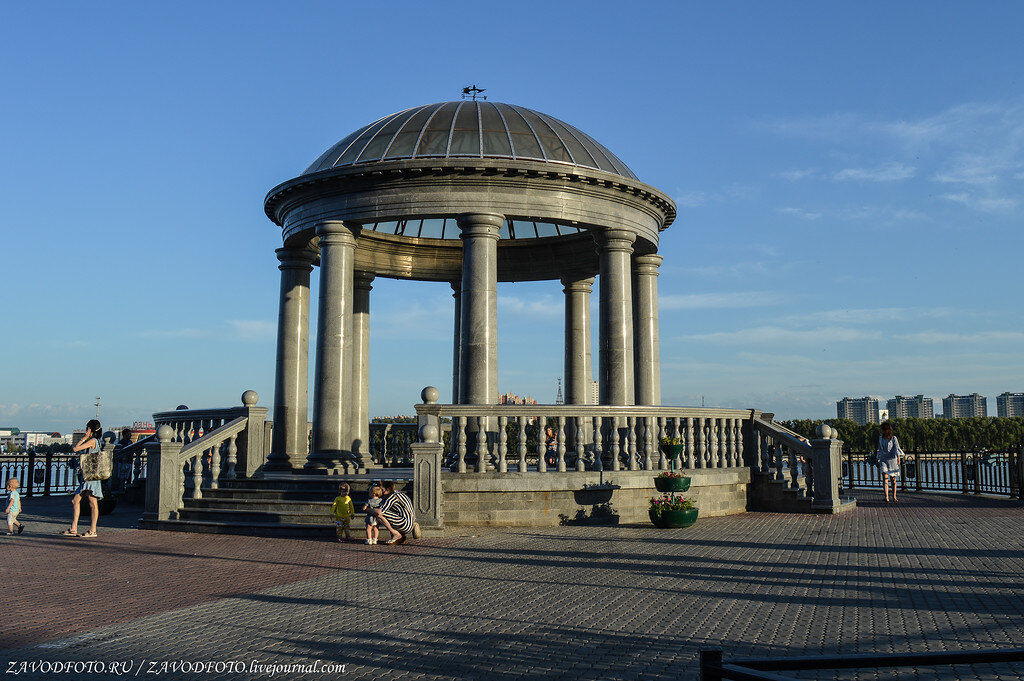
x=935, y=572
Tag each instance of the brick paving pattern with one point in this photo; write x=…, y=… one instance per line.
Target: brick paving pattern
x=935, y=572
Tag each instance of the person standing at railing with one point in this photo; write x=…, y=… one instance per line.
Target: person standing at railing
x=122, y=461
x=890, y=458
x=87, y=489
x=550, y=447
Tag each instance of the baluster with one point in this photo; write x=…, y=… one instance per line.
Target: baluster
x=598, y=445
x=794, y=469
x=502, y=444
x=460, y=441
x=215, y=465
x=613, y=440
x=709, y=445
x=766, y=453
x=698, y=442
x=580, y=450
x=481, y=444
x=561, y=444
x=522, y=443
x=662, y=432
x=730, y=443
x=631, y=426
x=230, y=474
x=181, y=486
x=720, y=441
x=542, y=423
x=686, y=437
x=738, y=426
x=648, y=422
x=197, y=476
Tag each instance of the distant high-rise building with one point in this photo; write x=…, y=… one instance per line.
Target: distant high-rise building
x=862, y=410
x=917, y=407
x=962, y=406
x=595, y=392
x=1010, y=404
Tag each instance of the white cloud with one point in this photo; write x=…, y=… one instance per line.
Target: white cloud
x=800, y=213
x=886, y=172
x=253, y=329
x=934, y=337
x=692, y=199
x=988, y=204
x=795, y=175
x=174, y=333
x=543, y=306
x=777, y=335
x=710, y=301
x=871, y=315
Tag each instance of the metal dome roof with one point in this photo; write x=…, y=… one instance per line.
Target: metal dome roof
x=470, y=129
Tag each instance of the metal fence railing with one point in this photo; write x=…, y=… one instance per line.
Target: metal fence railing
x=714, y=668
x=52, y=474
x=965, y=472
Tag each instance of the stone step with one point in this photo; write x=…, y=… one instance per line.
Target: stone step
x=264, y=529
x=209, y=502
x=248, y=515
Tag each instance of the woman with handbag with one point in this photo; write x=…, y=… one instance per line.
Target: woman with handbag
x=88, y=489
x=890, y=458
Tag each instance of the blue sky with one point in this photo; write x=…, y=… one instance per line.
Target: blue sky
x=850, y=184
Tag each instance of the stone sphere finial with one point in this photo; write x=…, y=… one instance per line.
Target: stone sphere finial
x=430, y=395
x=164, y=433
x=824, y=431
x=428, y=433
x=250, y=398
x=181, y=407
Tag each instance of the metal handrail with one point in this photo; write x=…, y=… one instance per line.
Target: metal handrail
x=714, y=668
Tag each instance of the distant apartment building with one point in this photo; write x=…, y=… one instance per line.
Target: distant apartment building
x=917, y=407
x=595, y=392
x=862, y=410
x=964, y=406
x=1010, y=404
x=512, y=398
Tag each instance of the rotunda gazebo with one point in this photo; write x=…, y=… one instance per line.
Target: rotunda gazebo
x=472, y=193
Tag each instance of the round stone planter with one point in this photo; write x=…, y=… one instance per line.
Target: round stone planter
x=674, y=518
x=671, y=451
x=672, y=484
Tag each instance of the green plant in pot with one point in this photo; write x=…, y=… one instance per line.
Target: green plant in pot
x=670, y=510
x=672, y=481
x=671, y=447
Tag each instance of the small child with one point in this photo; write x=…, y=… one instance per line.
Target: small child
x=14, y=507
x=372, y=531
x=342, y=511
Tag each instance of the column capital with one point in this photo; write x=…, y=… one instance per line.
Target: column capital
x=614, y=239
x=574, y=285
x=647, y=264
x=295, y=259
x=337, y=232
x=362, y=280
x=480, y=225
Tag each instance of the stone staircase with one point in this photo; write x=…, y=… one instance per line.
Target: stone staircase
x=278, y=505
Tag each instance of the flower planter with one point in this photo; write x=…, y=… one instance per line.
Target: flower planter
x=671, y=451
x=672, y=484
x=674, y=518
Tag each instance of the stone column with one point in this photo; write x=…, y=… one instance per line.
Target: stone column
x=291, y=390
x=577, y=339
x=360, y=402
x=647, y=365
x=478, y=356
x=457, y=342
x=615, y=246
x=333, y=379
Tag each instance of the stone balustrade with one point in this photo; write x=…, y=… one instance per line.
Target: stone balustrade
x=510, y=438
x=195, y=449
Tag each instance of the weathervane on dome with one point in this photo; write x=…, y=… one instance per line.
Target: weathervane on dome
x=474, y=91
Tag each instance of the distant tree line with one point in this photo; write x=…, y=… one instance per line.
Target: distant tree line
x=924, y=435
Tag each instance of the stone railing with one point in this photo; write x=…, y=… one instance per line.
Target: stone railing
x=589, y=437
x=196, y=449
x=813, y=467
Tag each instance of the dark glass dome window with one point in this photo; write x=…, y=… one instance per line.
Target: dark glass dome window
x=448, y=228
x=469, y=129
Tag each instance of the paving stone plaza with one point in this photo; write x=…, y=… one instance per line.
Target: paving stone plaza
x=936, y=572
